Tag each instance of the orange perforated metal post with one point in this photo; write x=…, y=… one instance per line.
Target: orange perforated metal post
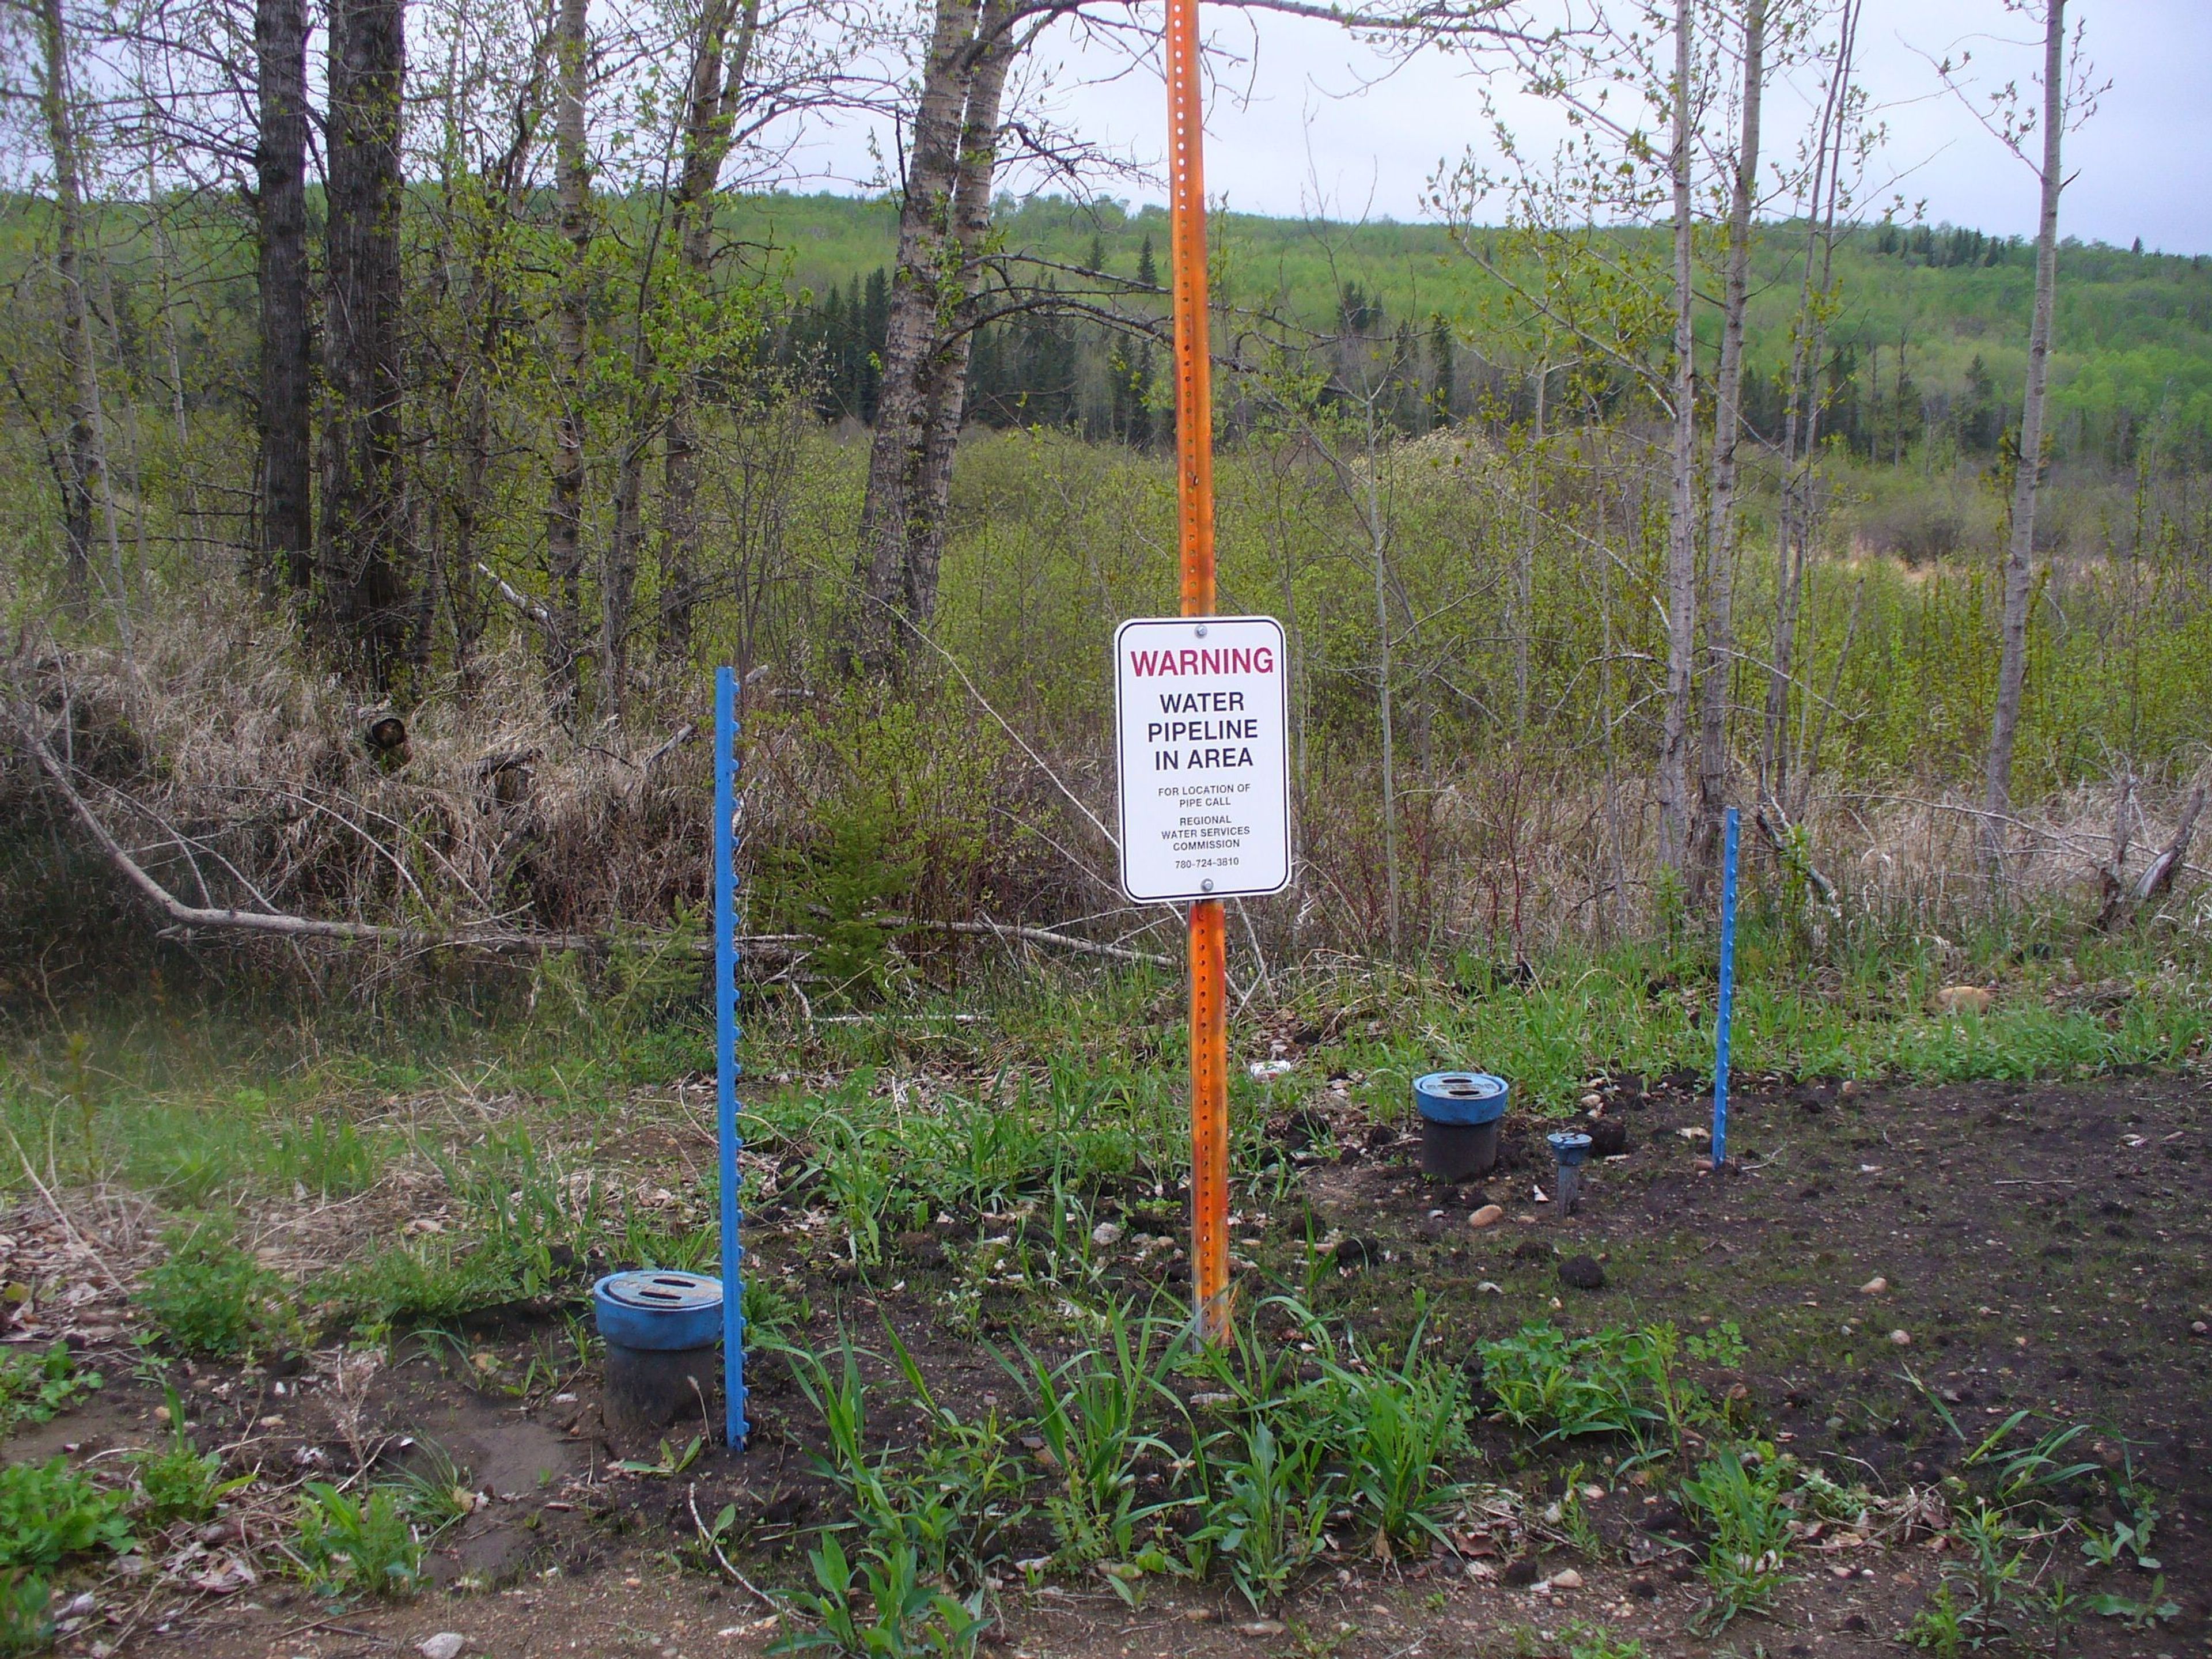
x=1209, y=1012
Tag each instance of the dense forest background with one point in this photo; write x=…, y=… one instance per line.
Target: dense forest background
x=408, y=407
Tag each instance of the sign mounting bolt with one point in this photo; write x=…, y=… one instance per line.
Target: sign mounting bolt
x=1201, y=630
x=1206, y=885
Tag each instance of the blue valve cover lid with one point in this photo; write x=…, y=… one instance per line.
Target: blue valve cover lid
x=666, y=1309
x=1461, y=1097
x=1569, y=1149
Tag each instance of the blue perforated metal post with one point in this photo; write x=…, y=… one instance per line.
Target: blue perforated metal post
x=726, y=1045
x=1727, y=1017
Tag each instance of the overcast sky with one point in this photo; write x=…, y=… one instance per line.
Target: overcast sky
x=1301, y=127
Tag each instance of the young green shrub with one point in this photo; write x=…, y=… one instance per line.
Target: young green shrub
x=35, y=1387
x=48, y=1512
x=209, y=1297
x=357, y=1547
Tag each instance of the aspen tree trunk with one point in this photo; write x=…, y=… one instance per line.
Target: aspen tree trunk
x=1728, y=432
x=1801, y=441
x=1682, y=506
x=280, y=157
x=1524, y=565
x=948, y=372
x=2020, y=550
x=718, y=79
x=951, y=155
x=564, y=510
x=364, y=615
x=84, y=459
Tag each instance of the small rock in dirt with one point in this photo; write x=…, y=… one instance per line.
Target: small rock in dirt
x=1490, y=1287
x=1902, y=1339
x=1874, y=1287
x=1593, y=1103
x=1202, y=1615
x=2198, y=1328
x=1259, y=1627
x=1694, y=1132
x=1106, y=1233
x=1963, y=999
x=1488, y=1216
x=1521, y=1573
x=446, y=1645
x=1567, y=1578
x=1582, y=1273
x=1480, y=1569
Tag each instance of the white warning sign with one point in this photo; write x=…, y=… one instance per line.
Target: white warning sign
x=1202, y=717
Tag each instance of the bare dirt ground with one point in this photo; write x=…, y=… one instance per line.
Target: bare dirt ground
x=2045, y=1248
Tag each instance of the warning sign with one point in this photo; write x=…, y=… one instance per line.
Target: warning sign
x=1203, y=736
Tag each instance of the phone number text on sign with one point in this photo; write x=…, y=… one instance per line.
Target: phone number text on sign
x=1201, y=713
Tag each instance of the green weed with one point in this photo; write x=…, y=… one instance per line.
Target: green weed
x=209, y=1297
x=2140, y=1613
x=326, y=1155
x=951, y=1502
x=48, y=1512
x=180, y=1482
x=1090, y=1409
x=1546, y=1383
x=1585, y=1641
x=1939, y=1627
x=1738, y=1495
x=35, y=1387
x=365, y=1545
x=438, y=1492
x=26, y=1624
x=1269, y=1510
x=906, y=1616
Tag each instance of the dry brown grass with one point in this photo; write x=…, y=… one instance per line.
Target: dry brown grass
x=236, y=779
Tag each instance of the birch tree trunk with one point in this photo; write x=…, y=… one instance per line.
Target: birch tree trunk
x=1728, y=431
x=564, y=510
x=718, y=79
x=1682, y=506
x=2020, y=549
x=288, y=529
x=364, y=615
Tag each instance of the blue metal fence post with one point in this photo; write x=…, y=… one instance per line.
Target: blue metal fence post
x=1728, y=992
x=726, y=1046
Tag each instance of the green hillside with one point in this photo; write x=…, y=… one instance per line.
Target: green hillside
x=2133, y=355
